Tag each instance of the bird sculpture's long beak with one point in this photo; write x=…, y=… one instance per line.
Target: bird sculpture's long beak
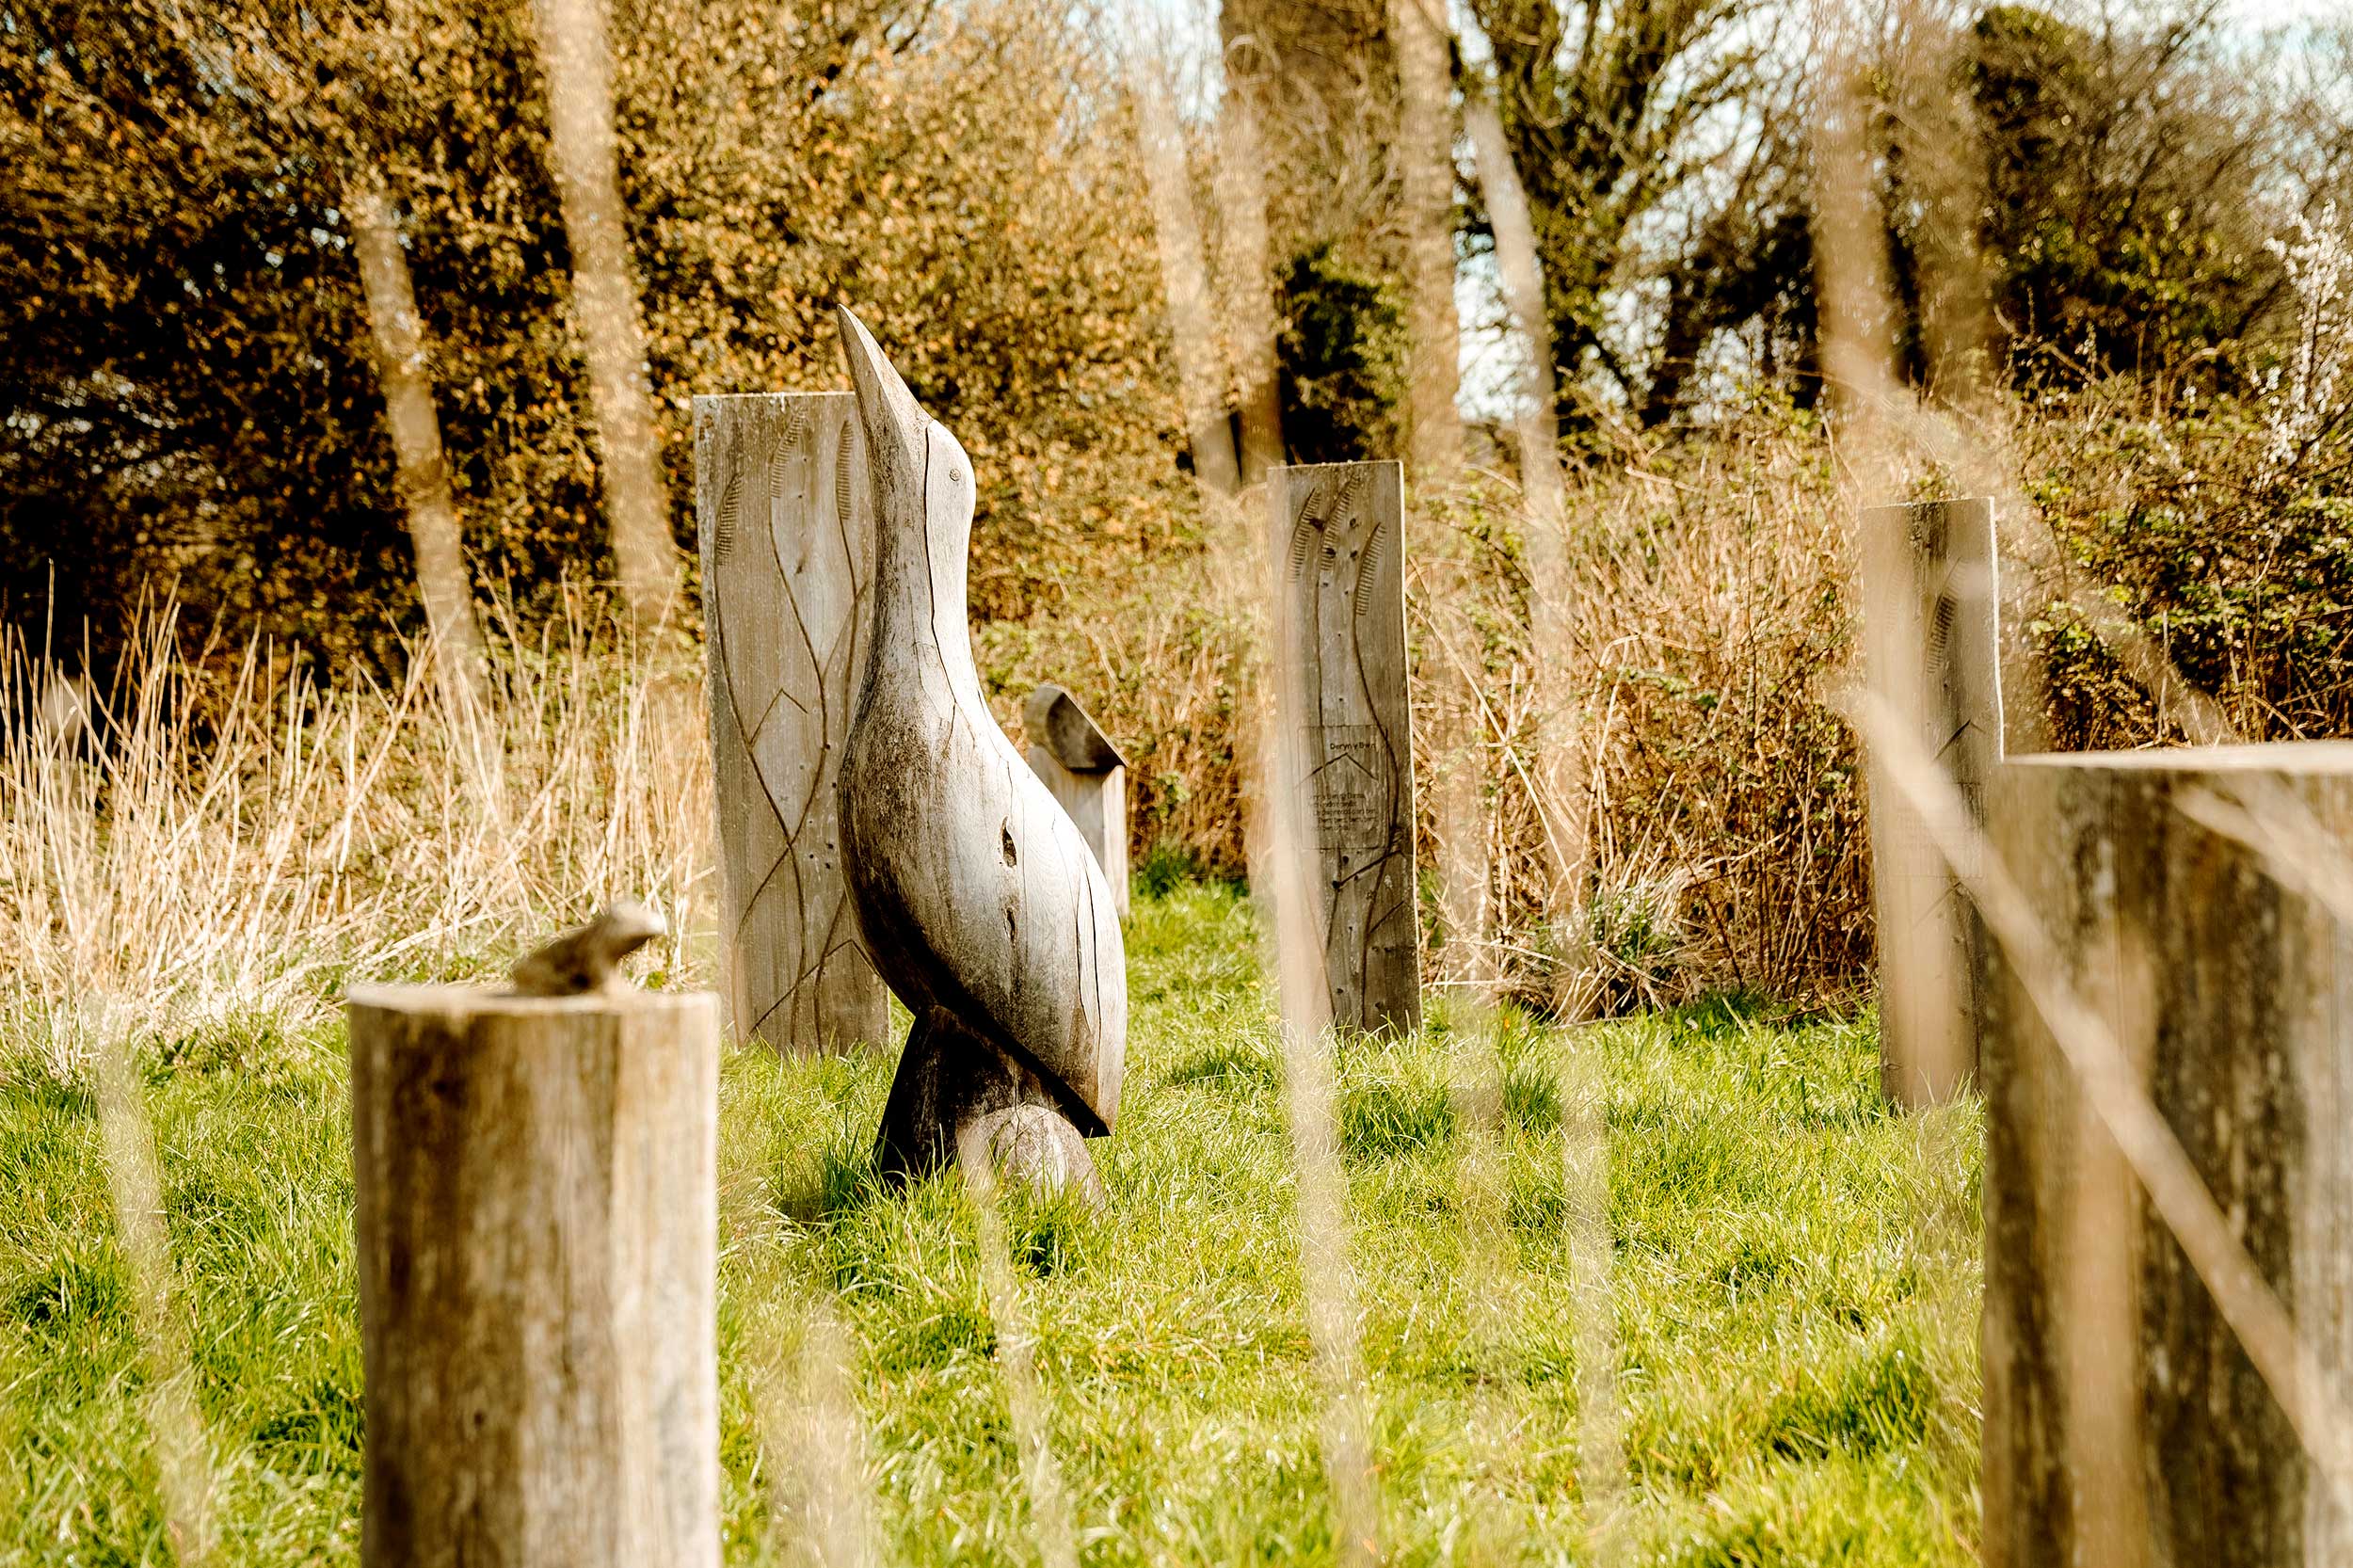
x=889, y=412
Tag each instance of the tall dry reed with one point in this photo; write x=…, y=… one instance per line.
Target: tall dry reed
x=218, y=834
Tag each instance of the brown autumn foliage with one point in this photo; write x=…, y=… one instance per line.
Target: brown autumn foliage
x=191, y=402
x=187, y=362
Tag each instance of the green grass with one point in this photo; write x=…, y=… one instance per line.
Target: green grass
x=1795, y=1270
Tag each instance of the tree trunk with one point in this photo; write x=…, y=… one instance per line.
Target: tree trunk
x=1425, y=158
x=605, y=308
x=1562, y=754
x=536, y=1208
x=1184, y=280
x=2124, y=1424
x=403, y=367
x=1250, y=278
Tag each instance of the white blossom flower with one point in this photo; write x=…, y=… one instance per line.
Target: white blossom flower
x=2298, y=408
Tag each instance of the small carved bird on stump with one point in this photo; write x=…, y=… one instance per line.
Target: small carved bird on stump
x=589, y=958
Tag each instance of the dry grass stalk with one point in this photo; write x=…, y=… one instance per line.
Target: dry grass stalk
x=1016, y=1352
x=1492, y=1285
x=1184, y=275
x=1425, y=159
x=606, y=310
x=183, y=1449
x=1600, y=1414
x=1247, y=272
x=1562, y=754
x=812, y=1441
x=404, y=366
x=800, y=1362
x=1281, y=865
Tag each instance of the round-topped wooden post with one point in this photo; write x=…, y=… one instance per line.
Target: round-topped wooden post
x=1069, y=751
x=537, y=1242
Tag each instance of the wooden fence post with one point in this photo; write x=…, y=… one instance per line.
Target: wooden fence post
x=1932, y=598
x=787, y=522
x=537, y=1218
x=1345, y=738
x=1088, y=776
x=2124, y=1423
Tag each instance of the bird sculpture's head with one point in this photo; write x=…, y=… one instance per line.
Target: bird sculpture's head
x=625, y=925
x=923, y=497
x=920, y=470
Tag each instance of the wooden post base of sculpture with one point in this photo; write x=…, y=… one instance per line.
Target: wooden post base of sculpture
x=957, y=1099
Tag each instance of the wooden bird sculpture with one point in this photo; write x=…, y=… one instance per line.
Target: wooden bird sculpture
x=985, y=912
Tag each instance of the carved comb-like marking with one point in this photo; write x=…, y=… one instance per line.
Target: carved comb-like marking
x=1319, y=503
x=1304, y=536
x=790, y=443
x=1351, y=491
x=842, y=457
x=1941, y=634
x=1365, y=566
x=730, y=502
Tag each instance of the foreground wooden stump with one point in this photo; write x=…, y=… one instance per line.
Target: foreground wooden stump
x=2123, y=1424
x=1933, y=646
x=786, y=522
x=1344, y=741
x=537, y=1242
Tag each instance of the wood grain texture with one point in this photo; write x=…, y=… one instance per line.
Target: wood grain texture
x=786, y=522
x=1346, y=740
x=2123, y=1425
x=1934, y=650
x=981, y=899
x=1088, y=776
x=537, y=1224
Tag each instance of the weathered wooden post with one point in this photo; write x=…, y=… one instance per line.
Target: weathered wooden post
x=1931, y=606
x=990, y=915
x=538, y=1219
x=787, y=522
x=1088, y=778
x=2124, y=1423
x=1346, y=741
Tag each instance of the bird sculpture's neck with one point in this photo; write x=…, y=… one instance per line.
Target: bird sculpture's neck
x=923, y=495
x=922, y=542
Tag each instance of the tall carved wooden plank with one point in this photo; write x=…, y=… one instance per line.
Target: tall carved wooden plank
x=1088, y=776
x=2124, y=1423
x=1931, y=602
x=1347, y=743
x=536, y=1198
x=787, y=522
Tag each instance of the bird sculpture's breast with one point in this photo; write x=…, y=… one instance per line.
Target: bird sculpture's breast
x=966, y=870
